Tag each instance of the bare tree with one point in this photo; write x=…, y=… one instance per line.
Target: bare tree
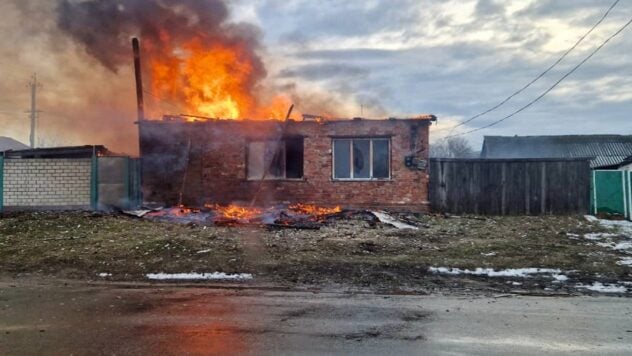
x=452, y=147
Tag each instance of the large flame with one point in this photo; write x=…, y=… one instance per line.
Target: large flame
x=212, y=79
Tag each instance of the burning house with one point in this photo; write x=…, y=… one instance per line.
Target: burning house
x=232, y=146
x=348, y=163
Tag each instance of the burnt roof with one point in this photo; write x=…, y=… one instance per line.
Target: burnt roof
x=59, y=152
x=604, y=150
x=310, y=118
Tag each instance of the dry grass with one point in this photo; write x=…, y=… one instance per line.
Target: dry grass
x=81, y=244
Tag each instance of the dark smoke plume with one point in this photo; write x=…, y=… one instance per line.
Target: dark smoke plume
x=105, y=27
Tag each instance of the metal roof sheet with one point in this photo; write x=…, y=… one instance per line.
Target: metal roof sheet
x=605, y=150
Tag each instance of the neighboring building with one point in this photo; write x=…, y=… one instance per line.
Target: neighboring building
x=78, y=177
x=605, y=151
x=8, y=144
x=351, y=163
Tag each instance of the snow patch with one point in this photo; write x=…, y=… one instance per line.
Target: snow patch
x=624, y=226
x=489, y=254
x=490, y=272
x=104, y=275
x=625, y=261
x=598, y=236
x=560, y=277
x=602, y=288
x=204, y=251
x=616, y=246
x=199, y=276
x=572, y=236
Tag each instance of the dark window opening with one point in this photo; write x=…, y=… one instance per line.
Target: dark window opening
x=282, y=159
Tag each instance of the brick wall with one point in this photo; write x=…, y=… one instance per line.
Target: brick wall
x=215, y=157
x=47, y=182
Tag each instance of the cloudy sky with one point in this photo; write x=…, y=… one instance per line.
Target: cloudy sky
x=453, y=59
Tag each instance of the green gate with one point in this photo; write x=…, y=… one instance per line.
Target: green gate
x=611, y=193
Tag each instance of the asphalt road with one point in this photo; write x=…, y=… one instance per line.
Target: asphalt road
x=42, y=318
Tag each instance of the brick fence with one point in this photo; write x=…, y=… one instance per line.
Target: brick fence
x=63, y=183
x=47, y=182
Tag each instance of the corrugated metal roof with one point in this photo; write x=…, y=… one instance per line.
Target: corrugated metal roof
x=605, y=150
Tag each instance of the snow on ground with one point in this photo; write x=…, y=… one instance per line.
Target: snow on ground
x=624, y=226
x=490, y=272
x=598, y=236
x=199, y=276
x=560, y=278
x=602, y=288
x=625, y=261
x=621, y=246
x=104, y=275
x=624, y=231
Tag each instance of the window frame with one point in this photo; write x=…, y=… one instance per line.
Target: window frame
x=351, y=158
x=283, y=157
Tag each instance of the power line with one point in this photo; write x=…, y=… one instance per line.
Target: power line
x=551, y=87
x=541, y=74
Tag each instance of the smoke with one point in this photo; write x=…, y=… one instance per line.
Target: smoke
x=105, y=27
x=81, y=51
x=195, y=57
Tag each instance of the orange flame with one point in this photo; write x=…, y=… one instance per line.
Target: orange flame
x=235, y=212
x=217, y=80
x=309, y=209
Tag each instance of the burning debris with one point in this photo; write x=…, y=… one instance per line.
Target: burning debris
x=296, y=216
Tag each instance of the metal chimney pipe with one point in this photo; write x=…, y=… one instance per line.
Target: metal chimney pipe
x=139, y=80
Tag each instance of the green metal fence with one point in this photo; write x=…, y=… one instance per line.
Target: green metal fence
x=611, y=193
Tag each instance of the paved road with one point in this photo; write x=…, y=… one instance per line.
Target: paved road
x=53, y=318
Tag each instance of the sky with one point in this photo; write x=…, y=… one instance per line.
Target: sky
x=394, y=58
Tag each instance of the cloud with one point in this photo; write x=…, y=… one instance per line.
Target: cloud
x=403, y=57
x=458, y=58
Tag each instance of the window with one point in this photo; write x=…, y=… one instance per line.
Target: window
x=361, y=158
x=286, y=164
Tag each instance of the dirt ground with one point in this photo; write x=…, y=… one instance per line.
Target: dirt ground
x=349, y=252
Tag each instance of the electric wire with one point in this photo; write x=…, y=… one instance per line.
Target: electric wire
x=550, y=88
x=603, y=17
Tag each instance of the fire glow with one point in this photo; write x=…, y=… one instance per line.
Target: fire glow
x=233, y=214
x=212, y=79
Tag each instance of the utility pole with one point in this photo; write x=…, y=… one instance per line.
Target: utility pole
x=34, y=112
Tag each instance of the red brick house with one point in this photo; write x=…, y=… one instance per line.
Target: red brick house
x=351, y=163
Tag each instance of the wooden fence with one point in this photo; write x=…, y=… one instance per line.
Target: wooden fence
x=510, y=186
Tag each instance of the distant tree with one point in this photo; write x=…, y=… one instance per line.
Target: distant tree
x=452, y=147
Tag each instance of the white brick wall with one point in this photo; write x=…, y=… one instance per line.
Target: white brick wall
x=47, y=182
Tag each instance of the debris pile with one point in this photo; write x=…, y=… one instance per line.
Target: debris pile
x=297, y=216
